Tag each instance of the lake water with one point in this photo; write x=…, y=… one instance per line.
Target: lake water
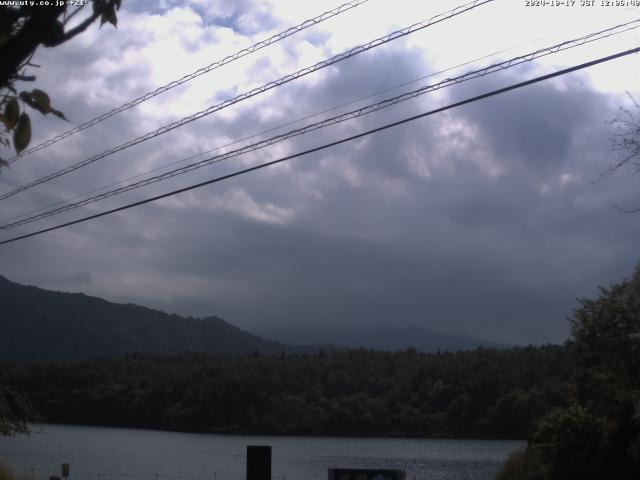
x=123, y=454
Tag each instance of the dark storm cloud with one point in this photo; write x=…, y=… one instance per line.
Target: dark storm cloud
x=324, y=274
x=480, y=221
x=536, y=125
x=490, y=254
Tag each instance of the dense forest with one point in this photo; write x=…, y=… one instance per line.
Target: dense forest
x=578, y=404
x=485, y=393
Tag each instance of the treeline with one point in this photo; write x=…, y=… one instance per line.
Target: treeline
x=485, y=393
x=596, y=436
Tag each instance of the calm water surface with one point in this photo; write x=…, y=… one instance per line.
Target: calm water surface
x=123, y=454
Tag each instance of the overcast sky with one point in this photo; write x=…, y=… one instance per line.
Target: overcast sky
x=484, y=220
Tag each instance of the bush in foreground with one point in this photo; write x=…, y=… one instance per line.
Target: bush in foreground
x=598, y=436
x=5, y=471
x=524, y=464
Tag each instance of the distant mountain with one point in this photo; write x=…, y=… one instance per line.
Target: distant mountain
x=381, y=338
x=37, y=324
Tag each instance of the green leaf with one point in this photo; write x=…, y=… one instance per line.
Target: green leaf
x=42, y=101
x=22, y=135
x=59, y=114
x=11, y=113
x=28, y=99
x=109, y=15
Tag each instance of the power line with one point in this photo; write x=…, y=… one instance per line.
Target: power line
x=568, y=44
x=332, y=144
x=201, y=71
x=255, y=135
x=271, y=129
x=256, y=91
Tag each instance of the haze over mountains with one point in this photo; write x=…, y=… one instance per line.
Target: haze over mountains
x=378, y=337
x=38, y=324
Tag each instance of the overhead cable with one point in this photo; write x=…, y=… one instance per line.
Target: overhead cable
x=252, y=136
x=331, y=144
x=256, y=91
x=201, y=71
x=335, y=120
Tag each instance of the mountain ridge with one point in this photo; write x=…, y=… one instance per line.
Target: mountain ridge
x=39, y=324
x=47, y=325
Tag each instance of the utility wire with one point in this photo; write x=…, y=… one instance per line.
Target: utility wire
x=256, y=91
x=332, y=144
x=259, y=134
x=335, y=120
x=201, y=71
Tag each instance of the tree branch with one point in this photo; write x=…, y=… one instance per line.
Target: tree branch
x=73, y=14
x=68, y=35
x=24, y=78
x=36, y=30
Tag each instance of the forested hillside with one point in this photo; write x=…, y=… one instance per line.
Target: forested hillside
x=38, y=324
x=485, y=393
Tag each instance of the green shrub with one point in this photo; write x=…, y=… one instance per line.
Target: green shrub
x=525, y=464
x=5, y=471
